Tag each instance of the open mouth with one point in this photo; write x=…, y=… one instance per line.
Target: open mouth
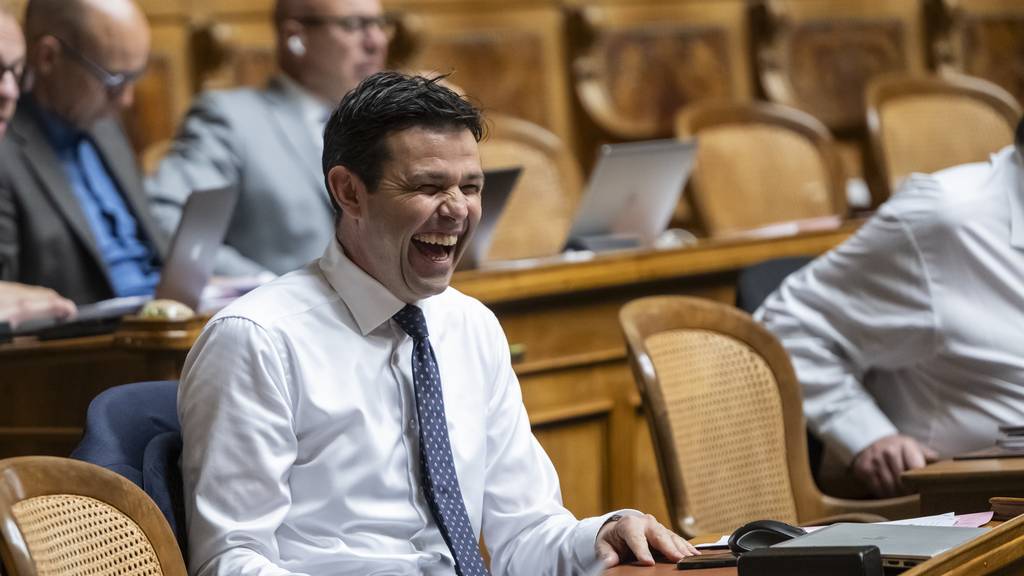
x=436, y=247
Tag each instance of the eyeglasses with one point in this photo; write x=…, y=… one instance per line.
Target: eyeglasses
x=114, y=82
x=351, y=23
x=16, y=69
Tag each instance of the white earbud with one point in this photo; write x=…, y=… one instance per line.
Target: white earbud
x=295, y=46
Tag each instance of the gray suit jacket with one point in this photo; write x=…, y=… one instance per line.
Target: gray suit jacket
x=256, y=140
x=45, y=238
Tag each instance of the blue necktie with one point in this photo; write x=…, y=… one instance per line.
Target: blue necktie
x=440, y=484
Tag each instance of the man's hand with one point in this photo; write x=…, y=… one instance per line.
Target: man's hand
x=633, y=537
x=20, y=302
x=879, y=465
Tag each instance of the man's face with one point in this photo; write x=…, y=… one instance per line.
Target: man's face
x=340, y=52
x=12, y=60
x=411, y=232
x=74, y=83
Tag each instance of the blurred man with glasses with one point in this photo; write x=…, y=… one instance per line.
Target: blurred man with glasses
x=268, y=142
x=19, y=302
x=73, y=216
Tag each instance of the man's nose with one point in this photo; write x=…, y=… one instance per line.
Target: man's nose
x=125, y=97
x=455, y=206
x=8, y=86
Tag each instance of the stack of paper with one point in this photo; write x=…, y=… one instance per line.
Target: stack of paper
x=1012, y=438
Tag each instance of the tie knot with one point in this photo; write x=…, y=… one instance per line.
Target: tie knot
x=412, y=322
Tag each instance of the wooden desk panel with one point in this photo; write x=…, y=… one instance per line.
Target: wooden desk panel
x=574, y=375
x=964, y=486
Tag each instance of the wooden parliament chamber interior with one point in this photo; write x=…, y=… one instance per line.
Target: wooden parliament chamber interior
x=557, y=79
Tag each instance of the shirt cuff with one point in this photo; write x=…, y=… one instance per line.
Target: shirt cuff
x=585, y=544
x=855, y=429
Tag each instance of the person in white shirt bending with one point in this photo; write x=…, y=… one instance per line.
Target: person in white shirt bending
x=907, y=339
x=359, y=416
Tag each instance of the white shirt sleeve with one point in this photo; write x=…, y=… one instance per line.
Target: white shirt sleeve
x=239, y=446
x=865, y=305
x=525, y=526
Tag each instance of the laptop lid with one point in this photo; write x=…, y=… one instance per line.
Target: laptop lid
x=204, y=222
x=633, y=191
x=498, y=187
x=900, y=545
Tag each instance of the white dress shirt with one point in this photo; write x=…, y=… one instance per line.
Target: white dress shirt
x=916, y=323
x=300, y=437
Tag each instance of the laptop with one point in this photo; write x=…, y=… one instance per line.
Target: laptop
x=190, y=261
x=498, y=187
x=901, y=546
x=632, y=194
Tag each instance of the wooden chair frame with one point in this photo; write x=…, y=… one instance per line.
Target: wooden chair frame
x=645, y=317
x=889, y=87
x=1000, y=548
x=535, y=136
x=692, y=119
x=31, y=476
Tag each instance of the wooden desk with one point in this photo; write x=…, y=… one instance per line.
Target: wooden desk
x=575, y=378
x=965, y=485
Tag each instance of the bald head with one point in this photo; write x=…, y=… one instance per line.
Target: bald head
x=77, y=48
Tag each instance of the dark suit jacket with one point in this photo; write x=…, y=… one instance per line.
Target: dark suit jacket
x=45, y=238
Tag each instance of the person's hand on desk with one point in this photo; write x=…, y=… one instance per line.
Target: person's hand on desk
x=21, y=302
x=622, y=539
x=880, y=465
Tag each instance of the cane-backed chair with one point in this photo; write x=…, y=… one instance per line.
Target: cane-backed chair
x=927, y=123
x=1000, y=552
x=538, y=215
x=760, y=164
x=725, y=415
x=63, y=517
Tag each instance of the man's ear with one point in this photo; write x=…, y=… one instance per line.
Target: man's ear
x=348, y=190
x=44, y=54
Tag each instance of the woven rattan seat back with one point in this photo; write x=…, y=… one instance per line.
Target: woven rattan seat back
x=539, y=213
x=79, y=535
x=62, y=517
x=760, y=164
x=927, y=124
x=725, y=419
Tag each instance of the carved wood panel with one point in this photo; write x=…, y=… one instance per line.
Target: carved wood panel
x=645, y=80
x=994, y=50
x=508, y=59
x=832, y=62
x=819, y=55
x=635, y=64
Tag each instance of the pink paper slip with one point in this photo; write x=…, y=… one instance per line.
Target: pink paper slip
x=976, y=520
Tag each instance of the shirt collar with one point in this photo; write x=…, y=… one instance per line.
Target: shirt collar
x=312, y=107
x=370, y=303
x=59, y=132
x=1016, y=165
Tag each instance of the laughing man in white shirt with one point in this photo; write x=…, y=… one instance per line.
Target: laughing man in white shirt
x=328, y=430
x=907, y=339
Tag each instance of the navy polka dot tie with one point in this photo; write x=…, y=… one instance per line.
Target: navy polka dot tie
x=440, y=484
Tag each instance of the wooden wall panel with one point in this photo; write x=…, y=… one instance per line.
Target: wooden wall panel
x=983, y=38
x=818, y=55
x=509, y=59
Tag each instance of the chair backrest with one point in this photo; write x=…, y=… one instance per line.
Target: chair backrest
x=924, y=124
x=724, y=411
x=64, y=517
x=539, y=213
x=133, y=430
x=999, y=552
x=760, y=164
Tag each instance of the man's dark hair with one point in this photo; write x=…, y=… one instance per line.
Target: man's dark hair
x=388, y=102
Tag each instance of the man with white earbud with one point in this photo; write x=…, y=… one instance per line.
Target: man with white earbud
x=267, y=141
